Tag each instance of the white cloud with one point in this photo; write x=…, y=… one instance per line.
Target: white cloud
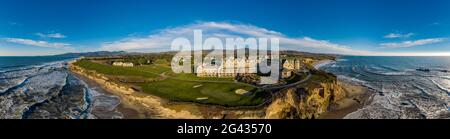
x=435, y=24
x=38, y=43
x=162, y=39
x=51, y=35
x=398, y=35
x=413, y=43
x=14, y=24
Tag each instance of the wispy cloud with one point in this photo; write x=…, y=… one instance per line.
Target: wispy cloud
x=162, y=39
x=398, y=35
x=14, y=24
x=435, y=24
x=413, y=43
x=51, y=35
x=39, y=43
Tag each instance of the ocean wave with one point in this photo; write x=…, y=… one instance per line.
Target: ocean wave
x=354, y=70
x=14, y=77
x=400, y=90
x=323, y=63
x=389, y=68
x=386, y=73
x=423, y=91
x=445, y=77
x=7, y=84
x=397, y=73
x=5, y=68
x=33, y=66
x=28, y=88
x=342, y=60
x=100, y=102
x=440, y=86
x=32, y=70
x=335, y=66
x=350, y=79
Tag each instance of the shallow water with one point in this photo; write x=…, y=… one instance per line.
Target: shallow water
x=402, y=90
x=47, y=90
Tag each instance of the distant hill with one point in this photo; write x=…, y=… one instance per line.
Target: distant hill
x=292, y=52
x=95, y=54
x=123, y=53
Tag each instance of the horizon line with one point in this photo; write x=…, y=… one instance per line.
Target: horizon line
x=425, y=54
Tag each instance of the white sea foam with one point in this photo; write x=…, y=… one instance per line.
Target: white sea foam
x=44, y=81
x=447, y=89
x=396, y=73
x=445, y=77
x=350, y=79
x=401, y=92
x=36, y=66
x=382, y=71
x=323, y=63
x=6, y=84
x=341, y=60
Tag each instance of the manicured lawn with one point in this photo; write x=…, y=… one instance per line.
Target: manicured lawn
x=217, y=93
x=182, y=87
x=118, y=71
x=154, y=69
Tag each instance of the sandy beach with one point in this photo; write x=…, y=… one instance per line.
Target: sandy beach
x=356, y=97
x=321, y=63
x=127, y=111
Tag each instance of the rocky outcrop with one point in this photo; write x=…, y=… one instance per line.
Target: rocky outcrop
x=304, y=102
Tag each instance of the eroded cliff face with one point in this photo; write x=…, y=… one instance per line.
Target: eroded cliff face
x=304, y=102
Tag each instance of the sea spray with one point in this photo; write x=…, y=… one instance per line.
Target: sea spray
x=51, y=87
x=401, y=91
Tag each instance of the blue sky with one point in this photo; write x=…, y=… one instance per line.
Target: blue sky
x=357, y=27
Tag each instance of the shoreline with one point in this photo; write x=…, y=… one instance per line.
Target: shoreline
x=317, y=65
x=126, y=111
x=356, y=97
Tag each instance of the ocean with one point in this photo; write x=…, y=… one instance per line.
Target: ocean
x=14, y=62
x=42, y=88
x=405, y=87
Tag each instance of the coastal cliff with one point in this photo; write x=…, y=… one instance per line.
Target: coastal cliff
x=304, y=103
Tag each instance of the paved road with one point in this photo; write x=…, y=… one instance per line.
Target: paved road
x=288, y=85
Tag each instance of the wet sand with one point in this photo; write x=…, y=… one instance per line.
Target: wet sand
x=127, y=111
x=356, y=97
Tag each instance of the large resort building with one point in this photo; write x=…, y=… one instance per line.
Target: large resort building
x=123, y=64
x=232, y=67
